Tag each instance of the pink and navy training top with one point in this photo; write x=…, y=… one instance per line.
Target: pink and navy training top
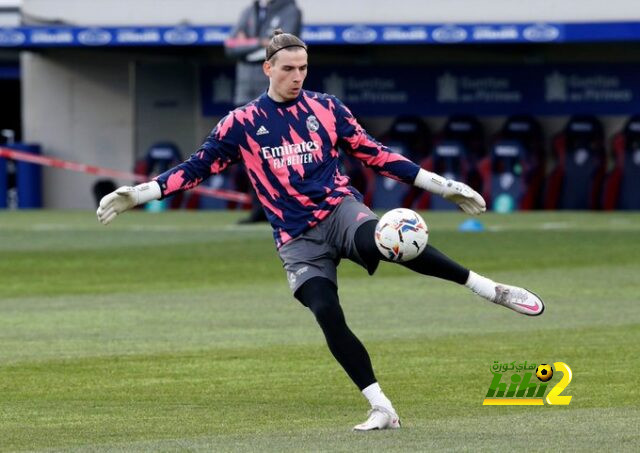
x=290, y=151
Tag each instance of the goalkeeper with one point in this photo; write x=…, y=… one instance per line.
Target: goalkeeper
x=288, y=139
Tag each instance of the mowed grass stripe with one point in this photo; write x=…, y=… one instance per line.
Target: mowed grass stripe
x=74, y=402
x=384, y=306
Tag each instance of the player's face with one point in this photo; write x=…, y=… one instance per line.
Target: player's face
x=286, y=74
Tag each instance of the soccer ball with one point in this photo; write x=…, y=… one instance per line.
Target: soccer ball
x=544, y=372
x=401, y=234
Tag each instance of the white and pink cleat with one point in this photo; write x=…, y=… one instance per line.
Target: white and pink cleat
x=379, y=418
x=518, y=299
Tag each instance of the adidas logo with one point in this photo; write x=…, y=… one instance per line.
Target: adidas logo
x=262, y=130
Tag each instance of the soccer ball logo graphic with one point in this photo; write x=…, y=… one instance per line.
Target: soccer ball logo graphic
x=544, y=372
x=401, y=234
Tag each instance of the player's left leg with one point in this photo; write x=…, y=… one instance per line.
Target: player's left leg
x=320, y=295
x=436, y=264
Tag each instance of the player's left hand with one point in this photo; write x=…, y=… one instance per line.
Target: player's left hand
x=464, y=196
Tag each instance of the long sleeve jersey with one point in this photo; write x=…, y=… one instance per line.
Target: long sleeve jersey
x=290, y=151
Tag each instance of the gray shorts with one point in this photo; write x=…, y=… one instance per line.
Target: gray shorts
x=317, y=252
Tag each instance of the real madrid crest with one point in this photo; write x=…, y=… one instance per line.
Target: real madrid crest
x=312, y=123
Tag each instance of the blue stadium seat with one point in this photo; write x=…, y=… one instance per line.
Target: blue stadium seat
x=387, y=193
x=219, y=181
x=160, y=157
x=515, y=169
x=576, y=181
x=457, y=152
x=468, y=132
x=411, y=136
x=450, y=160
x=622, y=187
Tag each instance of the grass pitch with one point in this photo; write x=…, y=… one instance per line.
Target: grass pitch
x=177, y=332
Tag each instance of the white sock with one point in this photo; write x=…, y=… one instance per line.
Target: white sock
x=482, y=286
x=374, y=394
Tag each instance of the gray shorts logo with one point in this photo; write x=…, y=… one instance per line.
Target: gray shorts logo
x=293, y=277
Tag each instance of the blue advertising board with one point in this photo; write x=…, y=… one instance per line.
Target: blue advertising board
x=445, y=90
x=9, y=72
x=68, y=36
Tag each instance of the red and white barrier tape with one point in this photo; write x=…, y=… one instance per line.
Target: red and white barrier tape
x=223, y=194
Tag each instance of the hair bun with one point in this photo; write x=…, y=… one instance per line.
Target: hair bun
x=281, y=40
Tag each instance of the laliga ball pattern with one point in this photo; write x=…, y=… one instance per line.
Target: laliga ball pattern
x=401, y=234
x=544, y=372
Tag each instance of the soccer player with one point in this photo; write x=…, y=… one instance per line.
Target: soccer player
x=288, y=139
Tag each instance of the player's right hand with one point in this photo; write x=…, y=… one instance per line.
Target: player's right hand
x=122, y=199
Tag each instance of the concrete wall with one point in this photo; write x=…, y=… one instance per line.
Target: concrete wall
x=166, y=105
x=79, y=107
x=160, y=12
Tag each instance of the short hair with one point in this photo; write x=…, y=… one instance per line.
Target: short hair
x=281, y=40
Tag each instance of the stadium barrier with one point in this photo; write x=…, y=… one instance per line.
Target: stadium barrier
x=25, y=157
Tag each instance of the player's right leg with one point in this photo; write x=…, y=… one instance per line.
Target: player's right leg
x=436, y=264
x=320, y=295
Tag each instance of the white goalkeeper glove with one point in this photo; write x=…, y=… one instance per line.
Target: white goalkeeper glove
x=464, y=196
x=125, y=198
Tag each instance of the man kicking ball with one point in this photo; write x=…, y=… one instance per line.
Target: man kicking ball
x=288, y=139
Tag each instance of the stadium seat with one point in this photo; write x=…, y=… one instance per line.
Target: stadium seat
x=514, y=171
x=450, y=160
x=411, y=133
x=468, y=132
x=410, y=136
x=387, y=193
x=577, y=178
x=361, y=178
x=622, y=186
x=457, y=152
x=219, y=181
x=160, y=157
